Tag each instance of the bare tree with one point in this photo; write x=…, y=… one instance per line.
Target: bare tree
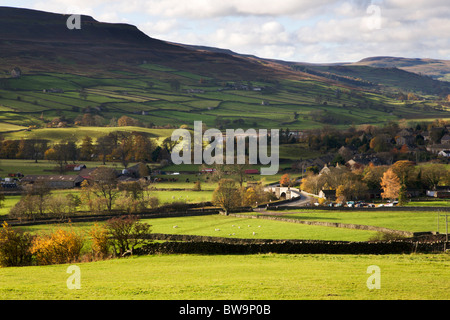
x=104, y=185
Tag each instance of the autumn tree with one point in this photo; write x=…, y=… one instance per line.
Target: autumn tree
x=124, y=150
x=87, y=148
x=336, y=176
x=227, y=195
x=404, y=169
x=390, y=183
x=15, y=247
x=312, y=183
x=372, y=176
x=9, y=149
x=351, y=190
x=380, y=143
x=142, y=148
x=125, y=121
x=126, y=233
x=100, y=241
x=32, y=149
x=61, y=246
x=254, y=195
x=87, y=120
x=285, y=180
x=104, y=147
x=434, y=174
x=61, y=153
x=249, y=197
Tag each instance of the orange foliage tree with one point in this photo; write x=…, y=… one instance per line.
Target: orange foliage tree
x=61, y=246
x=390, y=183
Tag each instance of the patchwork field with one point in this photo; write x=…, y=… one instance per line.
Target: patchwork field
x=160, y=96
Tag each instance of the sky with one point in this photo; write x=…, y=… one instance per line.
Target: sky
x=316, y=31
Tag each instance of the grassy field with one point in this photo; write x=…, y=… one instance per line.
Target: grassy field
x=443, y=203
x=78, y=133
x=27, y=167
x=245, y=277
x=222, y=226
x=149, y=98
x=236, y=277
x=413, y=221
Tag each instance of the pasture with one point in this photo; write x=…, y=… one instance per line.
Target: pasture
x=151, y=98
x=413, y=221
x=236, y=277
x=245, y=277
x=231, y=227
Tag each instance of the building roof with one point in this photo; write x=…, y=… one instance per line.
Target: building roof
x=50, y=178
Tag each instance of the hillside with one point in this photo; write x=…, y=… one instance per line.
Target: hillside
x=40, y=41
x=437, y=69
x=93, y=76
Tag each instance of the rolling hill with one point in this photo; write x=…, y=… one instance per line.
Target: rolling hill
x=105, y=71
x=437, y=69
x=41, y=41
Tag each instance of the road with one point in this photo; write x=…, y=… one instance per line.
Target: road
x=304, y=200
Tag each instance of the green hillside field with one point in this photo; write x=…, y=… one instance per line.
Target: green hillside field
x=236, y=277
x=159, y=96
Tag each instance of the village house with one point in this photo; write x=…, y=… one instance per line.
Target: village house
x=437, y=148
x=445, y=139
x=402, y=140
x=440, y=192
x=75, y=167
x=426, y=136
x=444, y=153
x=16, y=72
x=328, y=194
x=354, y=165
x=53, y=90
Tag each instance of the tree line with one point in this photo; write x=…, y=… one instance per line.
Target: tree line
x=124, y=147
x=117, y=237
x=102, y=192
x=393, y=180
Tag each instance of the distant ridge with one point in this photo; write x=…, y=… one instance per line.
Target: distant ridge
x=435, y=68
